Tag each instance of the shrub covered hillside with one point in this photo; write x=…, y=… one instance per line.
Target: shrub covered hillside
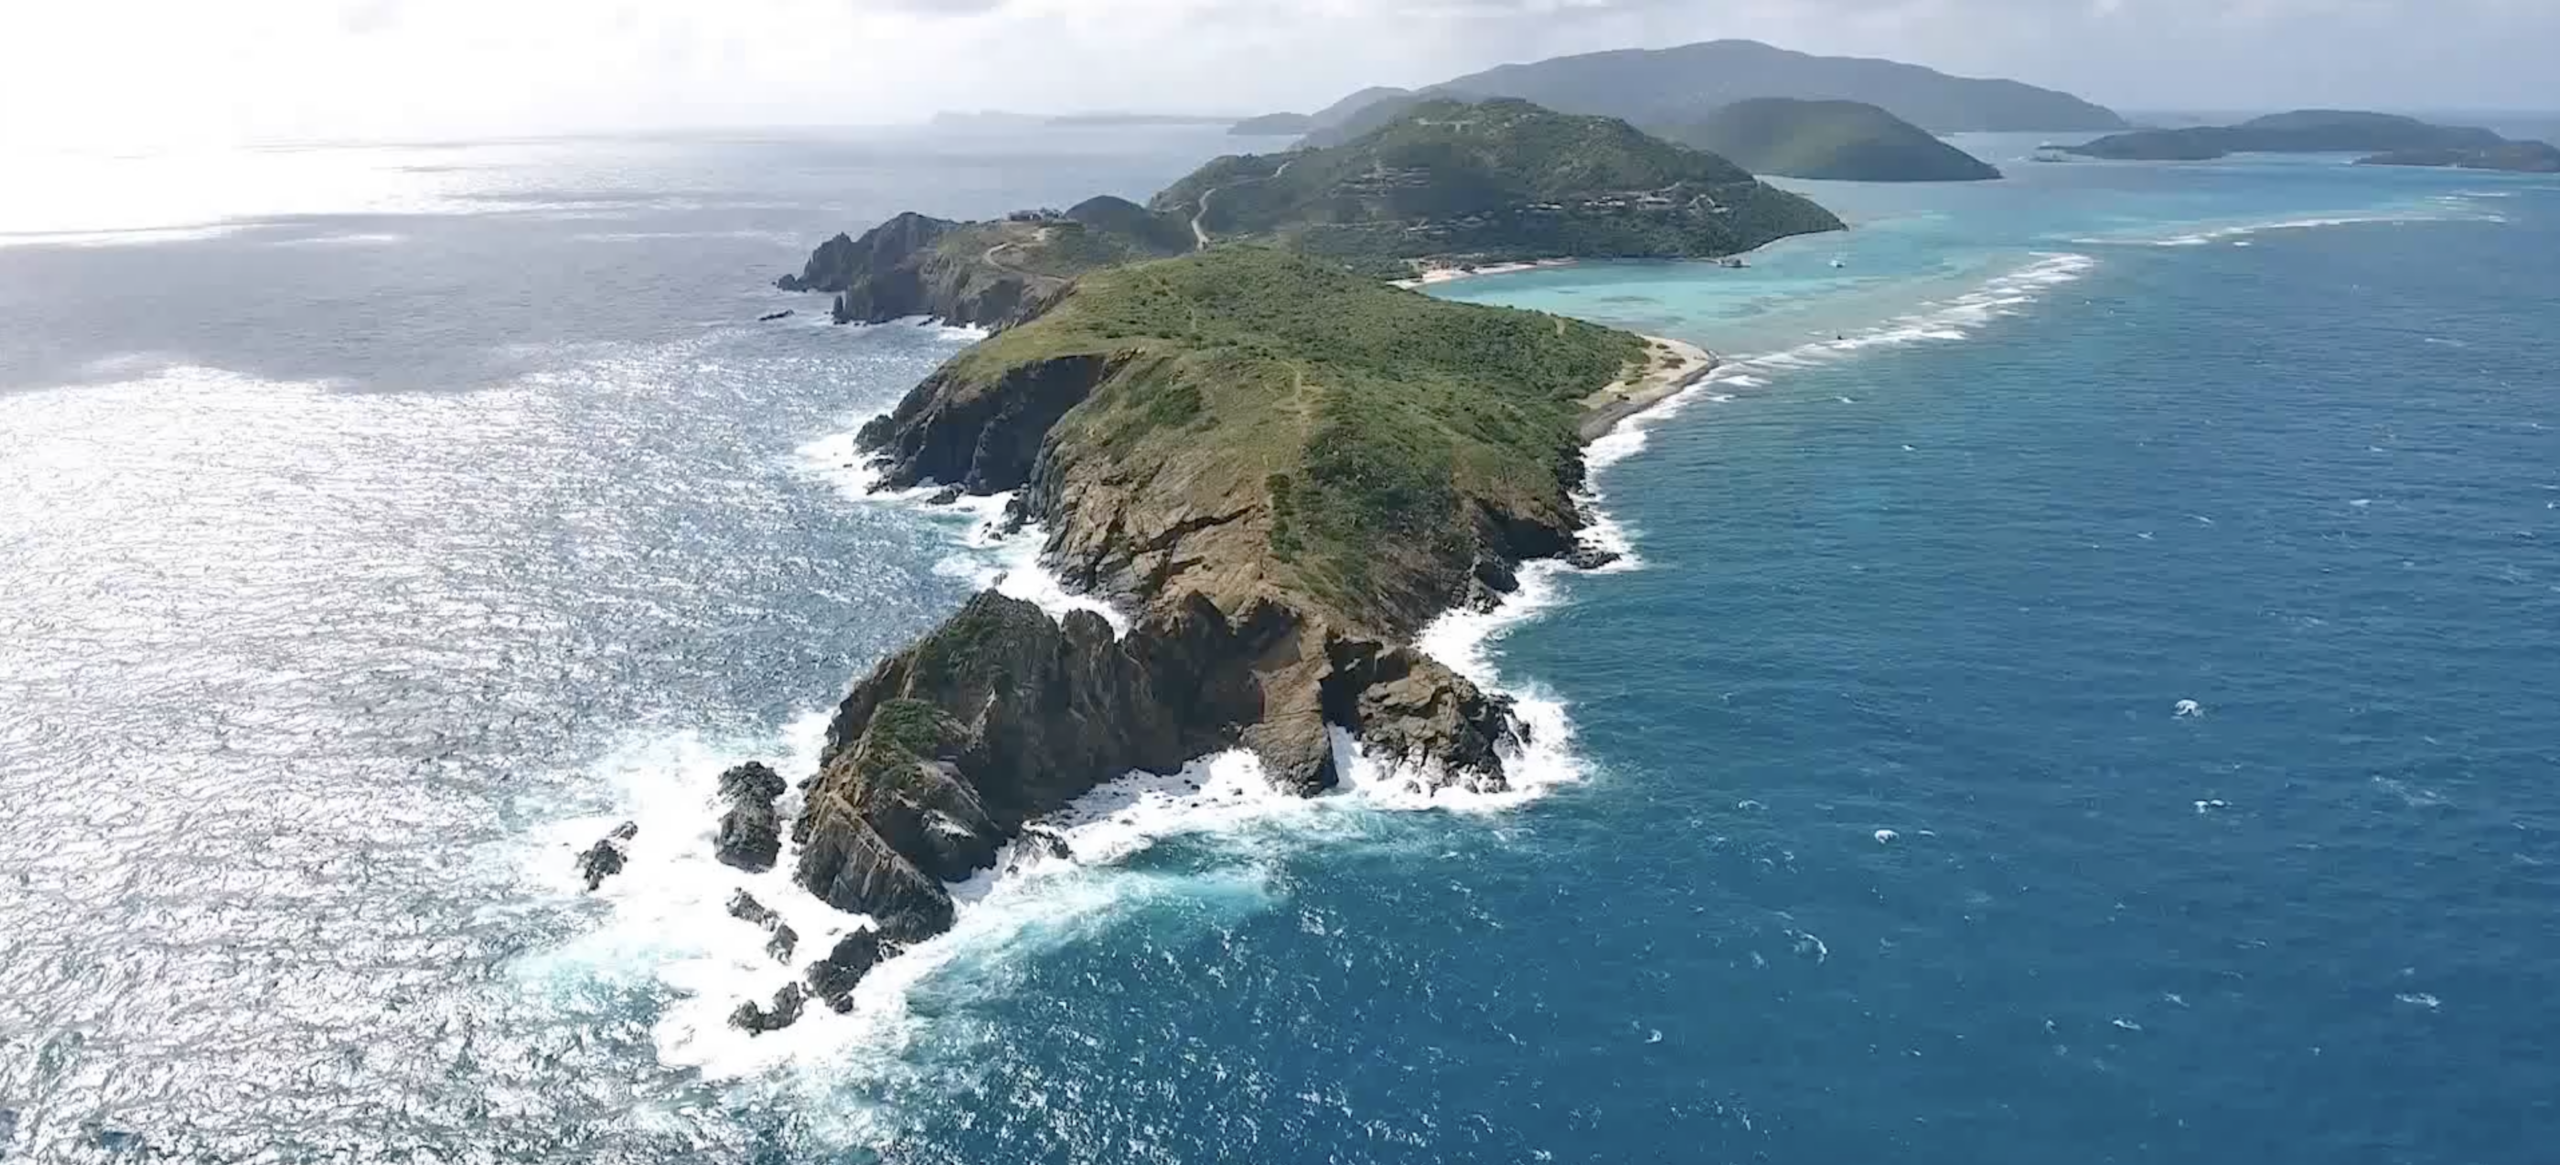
x=1843, y=140
x=1450, y=181
x=1313, y=433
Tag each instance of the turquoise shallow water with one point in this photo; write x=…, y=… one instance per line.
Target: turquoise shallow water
x=1886, y=832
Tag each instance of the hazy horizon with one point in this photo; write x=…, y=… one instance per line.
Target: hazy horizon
x=161, y=73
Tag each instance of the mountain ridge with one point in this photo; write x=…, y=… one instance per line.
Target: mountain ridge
x=1686, y=82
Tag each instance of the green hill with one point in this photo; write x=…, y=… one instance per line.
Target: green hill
x=2514, y=157
x=1684, y=84
x=1284, y=471
x=1447, y=183
x=1491, y=181
x=2303, y=131
x=1846, y=140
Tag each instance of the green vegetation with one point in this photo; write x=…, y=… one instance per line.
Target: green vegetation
x=1489, y=182
x=1362, y=419
x=1684, y=84
x=1844, y=140
x=2303, y=131
x=1446, y=183
x=2515, y=157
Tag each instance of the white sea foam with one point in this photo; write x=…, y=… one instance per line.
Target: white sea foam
x=2444, y=208
x=669, y=917
x=2003, y=296
x=353, y=239
x=137, y=237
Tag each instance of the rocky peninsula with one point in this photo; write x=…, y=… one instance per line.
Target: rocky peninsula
x=1279, y=466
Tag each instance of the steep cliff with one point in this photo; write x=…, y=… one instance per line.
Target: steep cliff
x=991, y=274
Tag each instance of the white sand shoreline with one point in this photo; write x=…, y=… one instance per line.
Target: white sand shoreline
x=1434, y=276
x=1671, y=367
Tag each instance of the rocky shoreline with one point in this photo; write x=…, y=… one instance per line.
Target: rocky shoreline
x=948, y=754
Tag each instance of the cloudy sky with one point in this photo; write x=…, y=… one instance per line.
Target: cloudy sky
x=140, y=72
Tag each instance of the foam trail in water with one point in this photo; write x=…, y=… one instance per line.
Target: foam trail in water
x=2443, y=208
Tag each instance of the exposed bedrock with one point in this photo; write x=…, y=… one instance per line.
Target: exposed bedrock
x=750, y=836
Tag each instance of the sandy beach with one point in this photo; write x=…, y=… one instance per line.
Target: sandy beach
x=1670, y=366
x=1439, y=275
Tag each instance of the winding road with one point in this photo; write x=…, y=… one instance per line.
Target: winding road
x=1199, y=233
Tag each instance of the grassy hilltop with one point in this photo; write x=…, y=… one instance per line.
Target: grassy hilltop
x=1354, y=431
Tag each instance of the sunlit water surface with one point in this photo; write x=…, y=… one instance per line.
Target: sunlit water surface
x=2084, y=692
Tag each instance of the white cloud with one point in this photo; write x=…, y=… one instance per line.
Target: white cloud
x=159, y=71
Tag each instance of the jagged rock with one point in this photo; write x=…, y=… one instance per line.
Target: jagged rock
x=750, y=835
x=771, y=316
x=833, y=978
x=782, y=941
x=1490, y=582
x=900, y=269
x=1036, y=842
x=787, y=1006
x=984, y=439
x=947, y=495
x=1045, y=843
x=1586, y=556
x=606, y=858
x=1002, y=715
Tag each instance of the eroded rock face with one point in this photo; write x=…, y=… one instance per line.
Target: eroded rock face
x=950, y=749
x=750, y=836
x=606, y=857
x=832, y=979
x=981, y=439
x=901, y=268
x=788, y=1003
x=944, y=753
x=782, y=941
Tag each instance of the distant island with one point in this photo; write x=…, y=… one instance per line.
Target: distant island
x=1278, y=465
x=1447, y=184
x=1274, y=125
x=1841, y=140
x=2390, y=139
x=1682, y=85
x=2527, y=157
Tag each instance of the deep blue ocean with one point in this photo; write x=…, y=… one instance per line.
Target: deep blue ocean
x=2086, y=689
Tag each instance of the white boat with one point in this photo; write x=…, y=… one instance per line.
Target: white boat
x=1838, y=262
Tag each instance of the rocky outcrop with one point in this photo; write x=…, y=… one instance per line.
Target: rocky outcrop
x=782, y=941
x=750, y=836
x=981, y=439
x=606, y=857
x=788, y=1003
x=912, y=265
x=832, y=979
